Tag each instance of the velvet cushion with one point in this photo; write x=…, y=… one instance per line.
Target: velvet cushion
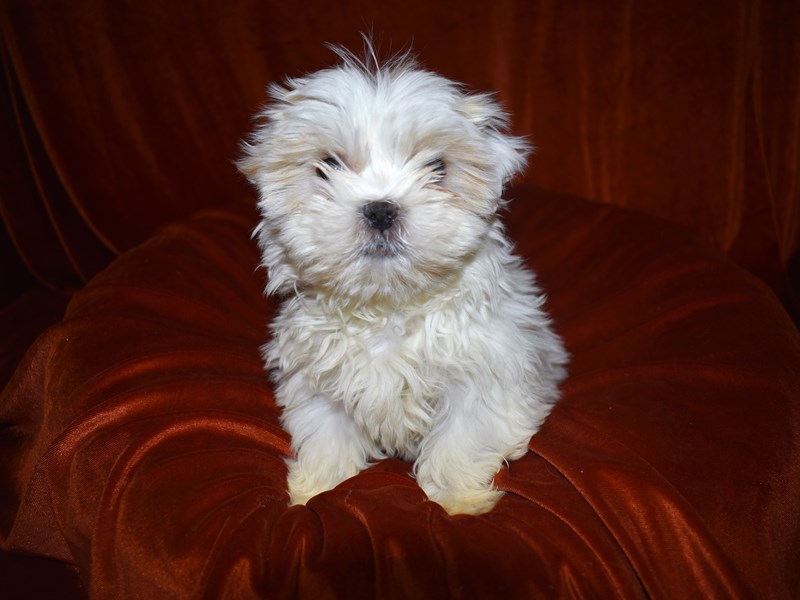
x=144, y=446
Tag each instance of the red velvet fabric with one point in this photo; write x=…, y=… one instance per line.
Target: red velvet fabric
x=124, y=116
x=140, y=450
x=148, y=453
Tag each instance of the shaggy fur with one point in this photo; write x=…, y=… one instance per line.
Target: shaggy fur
x=408, y=328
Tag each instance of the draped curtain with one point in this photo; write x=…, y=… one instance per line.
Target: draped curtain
x=119, y=117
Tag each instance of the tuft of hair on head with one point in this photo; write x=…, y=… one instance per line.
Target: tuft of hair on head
x=370, y=63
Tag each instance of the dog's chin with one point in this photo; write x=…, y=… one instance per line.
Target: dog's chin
x=382, y=248
x=385, y=275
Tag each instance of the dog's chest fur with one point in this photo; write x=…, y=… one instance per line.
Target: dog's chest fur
x=387, y=372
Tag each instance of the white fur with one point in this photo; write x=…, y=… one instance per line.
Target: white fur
x=427, y=341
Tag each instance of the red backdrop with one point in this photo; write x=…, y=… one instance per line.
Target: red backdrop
x=123, y=116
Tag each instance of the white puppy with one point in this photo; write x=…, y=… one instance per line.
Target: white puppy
x=408, y=328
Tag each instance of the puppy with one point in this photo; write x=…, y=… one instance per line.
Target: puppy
x=408, y=327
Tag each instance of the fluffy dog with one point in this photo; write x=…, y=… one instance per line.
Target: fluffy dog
x=408, y=327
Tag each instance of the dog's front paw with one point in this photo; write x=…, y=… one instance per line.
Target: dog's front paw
x=469, y=502
x=304, y=484
x=460, y=500
x=300, y=496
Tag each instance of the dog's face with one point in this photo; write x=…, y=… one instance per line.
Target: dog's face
x=376, y=184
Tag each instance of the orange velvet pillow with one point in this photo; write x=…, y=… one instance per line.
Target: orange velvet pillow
x=145, y=447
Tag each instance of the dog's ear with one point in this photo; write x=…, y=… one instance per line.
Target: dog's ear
x=509, y=152
x=257, y=146
x=282, y=96
x=249, y=164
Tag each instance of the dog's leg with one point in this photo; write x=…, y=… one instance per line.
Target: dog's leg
x=327, y=445
x=466, y=447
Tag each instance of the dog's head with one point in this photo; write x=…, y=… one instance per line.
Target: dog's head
x=377, y=183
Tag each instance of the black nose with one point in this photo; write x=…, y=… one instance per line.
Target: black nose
x=380, y=214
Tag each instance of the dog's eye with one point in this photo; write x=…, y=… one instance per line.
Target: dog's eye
x=329, y=162
x=438, y=168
